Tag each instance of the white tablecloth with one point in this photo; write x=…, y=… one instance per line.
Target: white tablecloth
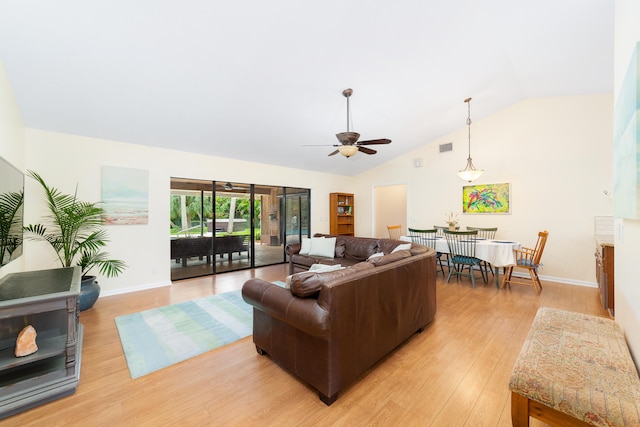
x=498, y=253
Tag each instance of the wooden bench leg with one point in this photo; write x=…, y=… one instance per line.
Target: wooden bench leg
x=519, y=410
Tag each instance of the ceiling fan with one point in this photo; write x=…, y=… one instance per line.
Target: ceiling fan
x=349, y=144
x=229, y=187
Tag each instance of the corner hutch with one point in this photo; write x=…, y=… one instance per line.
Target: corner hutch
x=341, y=219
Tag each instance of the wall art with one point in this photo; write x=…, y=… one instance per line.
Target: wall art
x=125, y=195
x=626, y=135
x=486, y=198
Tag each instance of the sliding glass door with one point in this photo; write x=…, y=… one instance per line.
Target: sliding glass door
x=219, y=226
x=190, y=219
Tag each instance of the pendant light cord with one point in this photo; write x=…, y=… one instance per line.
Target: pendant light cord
x=468, y=101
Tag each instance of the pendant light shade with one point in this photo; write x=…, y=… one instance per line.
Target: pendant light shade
x=469, y=173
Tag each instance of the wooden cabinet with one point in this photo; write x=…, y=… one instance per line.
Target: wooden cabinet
x=605, y=275
x=342, y=214
x=48, y=301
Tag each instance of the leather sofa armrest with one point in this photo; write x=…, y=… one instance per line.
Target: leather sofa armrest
x=293, y=248
x=301, y=313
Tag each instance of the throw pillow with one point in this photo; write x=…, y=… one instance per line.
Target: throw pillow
x=403, y=247
x=305, y=245
x=323, y=247
x=376, y=255
x=392, y=257
x=321, y=268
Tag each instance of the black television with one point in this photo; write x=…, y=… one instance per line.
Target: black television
x=11, y=212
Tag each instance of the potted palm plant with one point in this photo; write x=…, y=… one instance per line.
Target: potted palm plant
x=75, y=231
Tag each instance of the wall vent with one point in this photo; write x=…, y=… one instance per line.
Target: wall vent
x=446, y=147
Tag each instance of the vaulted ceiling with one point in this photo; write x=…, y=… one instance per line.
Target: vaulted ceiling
x=258, y=80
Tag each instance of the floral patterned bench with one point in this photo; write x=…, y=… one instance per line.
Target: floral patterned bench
x=575, y=369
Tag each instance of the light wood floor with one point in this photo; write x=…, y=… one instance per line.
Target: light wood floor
x=455, y=373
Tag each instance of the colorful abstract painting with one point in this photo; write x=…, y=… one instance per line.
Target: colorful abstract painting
x=486, y=198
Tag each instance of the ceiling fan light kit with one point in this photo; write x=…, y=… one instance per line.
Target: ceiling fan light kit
x=348, y=150
x=469, y=173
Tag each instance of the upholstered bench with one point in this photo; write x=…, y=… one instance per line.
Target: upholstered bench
x=575, y=369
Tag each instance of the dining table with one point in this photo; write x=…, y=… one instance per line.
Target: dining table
x=498, y=253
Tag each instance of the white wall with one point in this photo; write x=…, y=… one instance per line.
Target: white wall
x=11, y=143
x=66, y=160
x=627, y=240
x=557, y=155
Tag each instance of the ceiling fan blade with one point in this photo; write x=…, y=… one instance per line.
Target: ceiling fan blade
x=335, y=152
x=320, y=145
x=367, y=150
x=375, y=141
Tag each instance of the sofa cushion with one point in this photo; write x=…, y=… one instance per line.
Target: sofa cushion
x=341, y=246
x=388, y=245
x=392, y=257
x=308, y=284
x=360, y=248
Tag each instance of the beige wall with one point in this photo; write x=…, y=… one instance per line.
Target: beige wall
x=627, y=238
x=390, y=208
x=557, y=155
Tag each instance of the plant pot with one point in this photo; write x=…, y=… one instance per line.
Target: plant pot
x=452, y=227
x=89, y=292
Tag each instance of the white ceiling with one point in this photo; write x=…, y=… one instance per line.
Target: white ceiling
x=257, y=79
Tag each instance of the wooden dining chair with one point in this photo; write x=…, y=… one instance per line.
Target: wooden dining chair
x=529, y=259
x=485, y=233
x=395, y=231
x=427, y=238
x=462, y=254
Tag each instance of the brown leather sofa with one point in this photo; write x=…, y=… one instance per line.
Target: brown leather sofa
x=349, y=251
x=329, y=328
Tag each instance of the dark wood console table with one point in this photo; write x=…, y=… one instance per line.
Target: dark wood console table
x=47, y=300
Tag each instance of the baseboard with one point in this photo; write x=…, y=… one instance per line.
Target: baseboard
x=134, y=289
x=559, y=280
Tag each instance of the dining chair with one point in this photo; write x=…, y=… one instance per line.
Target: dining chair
x=395, y=231
x=427, y=238
x=441, y=228
x=529, y=259
x=462, y=254
x=485, y=233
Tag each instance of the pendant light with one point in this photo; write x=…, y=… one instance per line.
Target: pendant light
x=469, y=173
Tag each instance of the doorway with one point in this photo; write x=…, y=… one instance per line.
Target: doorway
x=390, y=208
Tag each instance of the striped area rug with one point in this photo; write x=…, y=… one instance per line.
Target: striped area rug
x=160, y=337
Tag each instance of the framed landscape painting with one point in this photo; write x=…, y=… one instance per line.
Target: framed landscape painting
x=486, y=198
x=125, y=195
